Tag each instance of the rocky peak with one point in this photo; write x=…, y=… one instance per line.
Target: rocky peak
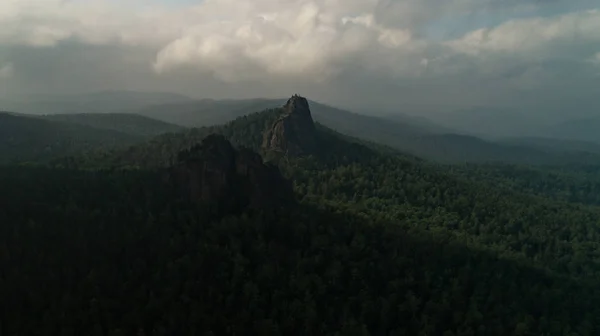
x=298, y=106
x=214, y=173
x=294, y=131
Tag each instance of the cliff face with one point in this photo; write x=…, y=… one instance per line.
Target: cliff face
x=294, y=131
x=214, y=173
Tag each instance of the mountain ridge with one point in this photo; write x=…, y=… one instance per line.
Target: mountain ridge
x=27, y=138
x=416, y=138
x=133, y=124
x=95, y=102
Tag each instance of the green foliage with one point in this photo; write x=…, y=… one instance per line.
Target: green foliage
x=379, y=244
x=576, y=184
x=109, y=252
x=162, y=150
x=25, y=138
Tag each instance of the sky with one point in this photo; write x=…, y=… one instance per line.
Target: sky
x=531, y=54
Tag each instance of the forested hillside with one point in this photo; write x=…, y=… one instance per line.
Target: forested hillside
x=186, y=235
x=125, y=123
x=575, y=184
x=25, y=138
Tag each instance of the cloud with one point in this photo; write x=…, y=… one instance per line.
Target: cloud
x=595, y=59
x=277, y=45
x=298, y=38
x=532, y=36
x=6, y=70
x=47, y=23
x=254, y=39
x=535, y=49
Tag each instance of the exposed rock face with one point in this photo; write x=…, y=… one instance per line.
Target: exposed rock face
x=294, y=132
x=215, y=173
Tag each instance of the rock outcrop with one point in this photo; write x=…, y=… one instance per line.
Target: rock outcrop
x=214, y=173
x=293, y=133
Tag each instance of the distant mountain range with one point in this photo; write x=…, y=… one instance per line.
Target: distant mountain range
x=26, y=138
x=496, y=123
x=415, y=135
x=97, y=102
x=470, y=135
x=587, y=129
x=205, y=112
x=132, y=124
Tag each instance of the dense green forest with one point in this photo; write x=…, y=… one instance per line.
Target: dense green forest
x=373, y=242
x=26, y=138
x=574, y=183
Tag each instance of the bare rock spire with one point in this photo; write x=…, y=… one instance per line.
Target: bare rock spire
x=293, y=133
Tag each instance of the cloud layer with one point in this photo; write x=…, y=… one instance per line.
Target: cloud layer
x=516, y=45
x=6, y=70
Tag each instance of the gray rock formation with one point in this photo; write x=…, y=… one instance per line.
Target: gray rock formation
x=215, y=173
x=293, y=133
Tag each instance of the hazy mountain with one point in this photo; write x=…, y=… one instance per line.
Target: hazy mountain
x=587, y=129
x=414, y=135
x=206, y=112
x=419, y=121
x=28, y=138
x=554, y=144
x=490, y=122
x=132, y=124
x=533, y=127
x=209, y=112
x=97, y=102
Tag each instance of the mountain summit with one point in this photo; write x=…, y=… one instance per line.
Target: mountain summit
x=294, y=131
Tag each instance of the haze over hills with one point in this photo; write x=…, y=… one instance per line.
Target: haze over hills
x=504, y=123
x=95, y=102
x=25, y=138
x=490, y=123
x=554, y=144
x=38, y=138
x=206, y=112
x=415, y=135
x=132, y=124
x=585, y=129
x=409, y=132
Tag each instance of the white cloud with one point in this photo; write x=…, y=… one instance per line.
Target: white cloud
x=45, y=23
x=309, y=40
x=6, y=70
x=240, y=39
x=287, y=38
x=532, y=35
